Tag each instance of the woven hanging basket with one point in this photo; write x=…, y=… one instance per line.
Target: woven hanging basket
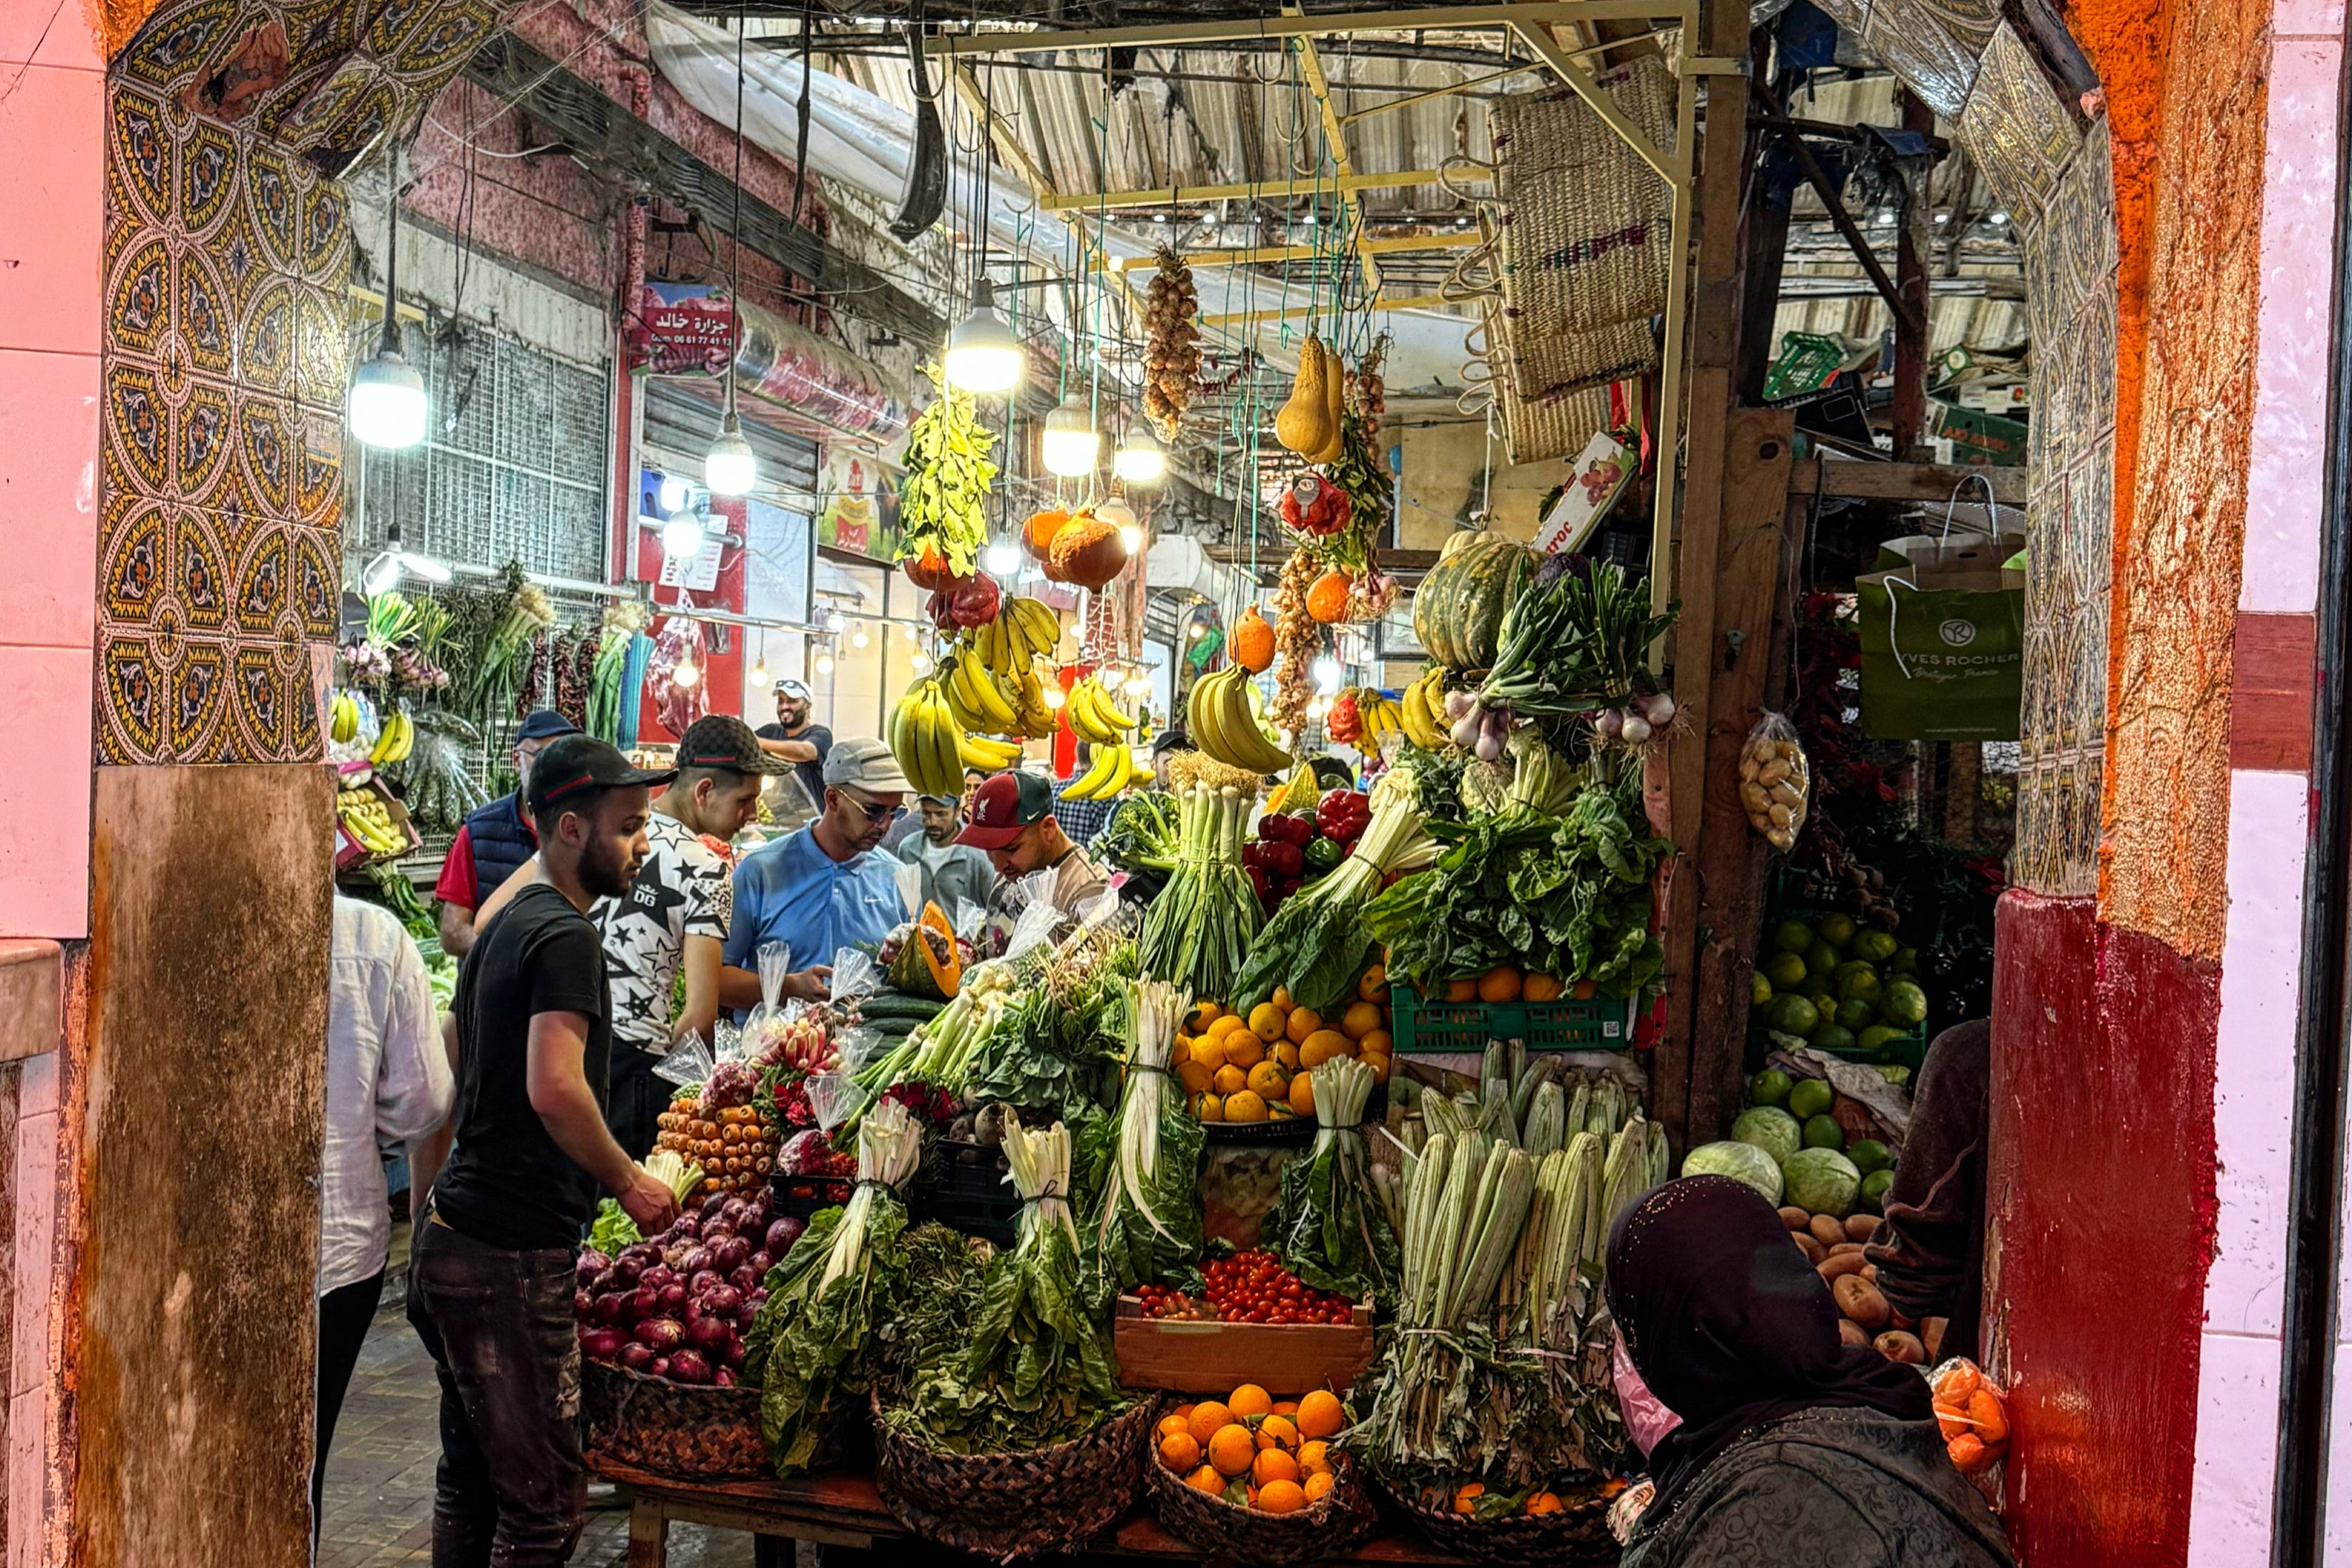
x=1577, y=1535
x=1008, y=1506
x=1226, y=1531
x=693, y=1432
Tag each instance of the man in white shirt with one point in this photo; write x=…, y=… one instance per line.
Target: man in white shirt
x=387, y=1076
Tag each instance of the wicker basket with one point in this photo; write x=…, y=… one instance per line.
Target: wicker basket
x=1224, y=1532
x=1014, y=1505
x=1577, y=1533
x=671, y=1428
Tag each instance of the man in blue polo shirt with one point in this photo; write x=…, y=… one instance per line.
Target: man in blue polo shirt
x=827, y=886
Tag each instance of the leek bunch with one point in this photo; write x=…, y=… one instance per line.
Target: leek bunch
x=1200, y=928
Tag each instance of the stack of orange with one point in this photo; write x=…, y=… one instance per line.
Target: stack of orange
x=1253, y=1066
x=1973, y=1415
x=1253, y=1450
x=1504, y=983
x=1469, y=1498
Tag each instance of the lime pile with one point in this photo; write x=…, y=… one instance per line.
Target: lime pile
x=1833, y=985
x=1789, y=1117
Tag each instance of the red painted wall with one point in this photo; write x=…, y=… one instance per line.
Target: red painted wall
x=2102, y=1206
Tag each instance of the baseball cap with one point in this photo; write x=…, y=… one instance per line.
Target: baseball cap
x=866, y=765
x=545, y=724
x=1170, y=741
x=724, y=742
x=576, y=767
x=787, y=687
x=1003, y=805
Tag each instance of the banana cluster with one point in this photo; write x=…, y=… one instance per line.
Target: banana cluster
x=394, y=741
x=344, y=716
x=366, y=817
x=1113, y=771
x=992, y=685
x=1380, y=716
x=932, y=746
x=1222, y=725
x=1095, y=717
x=1423, y=718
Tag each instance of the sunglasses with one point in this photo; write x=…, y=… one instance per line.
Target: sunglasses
x=875, y=813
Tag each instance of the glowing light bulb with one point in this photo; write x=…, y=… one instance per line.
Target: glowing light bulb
x=1071, y=446
x=859, y=638
x=1055, y=697
x=760, y=670
x=1004, y=558
x=825, y=664
x=730, y=468
x=387, y=404
x=686, y=674
x=920, y=663
x=983, y=355
x=682, y=537
x=1140, y=460
x=1198, y=631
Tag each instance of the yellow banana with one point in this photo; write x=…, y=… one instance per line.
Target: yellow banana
x=1247, y=745
x=947, y=752
x=1106, y=767
x=979, y=683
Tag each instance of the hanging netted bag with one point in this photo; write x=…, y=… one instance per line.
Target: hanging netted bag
x=1774, y=781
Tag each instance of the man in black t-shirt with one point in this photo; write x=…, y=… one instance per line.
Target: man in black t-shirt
x=490, y=1271
x=794, y=738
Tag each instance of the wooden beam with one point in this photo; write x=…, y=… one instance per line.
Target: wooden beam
x=1909, y=411
x=1335, y=144
x=1387, y=244
x=1250, y=190
x=1443, y=18
x=1847, y=480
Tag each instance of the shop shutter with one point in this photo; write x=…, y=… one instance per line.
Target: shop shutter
x=679, y=424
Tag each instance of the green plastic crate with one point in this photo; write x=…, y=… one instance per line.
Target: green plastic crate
x=1601, y=1024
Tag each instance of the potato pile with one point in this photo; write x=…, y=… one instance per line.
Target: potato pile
x=1833, y=1246
x=1171, y=351
x=734, y=1147
x=1773, y=779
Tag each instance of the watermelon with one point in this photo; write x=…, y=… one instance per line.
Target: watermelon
x=1457, y=612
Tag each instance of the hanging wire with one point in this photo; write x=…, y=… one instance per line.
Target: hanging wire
x=735, y=226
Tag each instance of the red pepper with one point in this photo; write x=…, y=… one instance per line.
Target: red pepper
x=1283, y=859
x=1343, y=816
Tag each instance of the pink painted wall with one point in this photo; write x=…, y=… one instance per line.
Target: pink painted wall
x=52, y=122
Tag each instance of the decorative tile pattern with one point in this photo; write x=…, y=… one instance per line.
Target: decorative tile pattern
x=1909, y=40
x=2016, y=127
x=226, y=256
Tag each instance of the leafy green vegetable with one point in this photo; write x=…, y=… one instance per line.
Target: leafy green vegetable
x=1319, y=942
x=1145, y=836
x=1326, y=1225
x=612, y=1230
x=1148, y=1223
x=941, y=498
x=1570, y=896
x=1580, y=644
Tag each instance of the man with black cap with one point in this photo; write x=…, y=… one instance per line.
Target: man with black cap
x=797, y=741
x=496, y=839
x=490, y=1270
x=1013, y=822
x=675, y=917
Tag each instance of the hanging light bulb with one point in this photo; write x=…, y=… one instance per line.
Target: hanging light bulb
x=381, y=574
x=859, y=638
x=1198, y=631
x=682, y=536
x=982, y=354
x=686, y=673
x=825, y=664
x=1132, y=535
x=1326, y=671
x=676, y=495
x=1138, y=686
x=921, y=663
x=760, y=670
x=396, y=558
x=1004, y=558
x=728, y=468
x=1055, y=697
x=1072, y=446
x=1140, y=458
x=387, y=406
x=1121, y=516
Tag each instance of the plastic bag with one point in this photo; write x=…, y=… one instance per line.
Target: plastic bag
x=775, y=964
x=688, y=1064
x=836, y=1097
x=1973, y=1414
x=854, y=975
x=1033, y=895
x=1775, y=781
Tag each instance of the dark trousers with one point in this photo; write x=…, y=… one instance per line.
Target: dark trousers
x=634, y=1096
x=510, y=1491
x=344, y=1314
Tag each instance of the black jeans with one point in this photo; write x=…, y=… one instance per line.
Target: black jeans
x=634, y=1096
x=512, y=1489
x=344, y=1313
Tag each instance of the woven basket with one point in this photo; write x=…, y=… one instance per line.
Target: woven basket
x=1579, y=1533
x=1223, y=1532
x=1014, y=1505
x=671, y=1428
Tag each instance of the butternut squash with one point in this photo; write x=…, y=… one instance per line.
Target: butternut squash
x=1333, y=386
x=1304, y=424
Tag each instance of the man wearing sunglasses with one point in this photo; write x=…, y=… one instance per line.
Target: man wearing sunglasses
x=827, y=886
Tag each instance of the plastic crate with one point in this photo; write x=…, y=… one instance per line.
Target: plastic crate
x=967, y=1196
x=1904, y=1050
x=1601, y=1024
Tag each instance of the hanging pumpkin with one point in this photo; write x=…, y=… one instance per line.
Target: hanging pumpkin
x=1326, y=601
x=930, y=572
x=1087, y=551
x=1253, y=642
x=1038, y=534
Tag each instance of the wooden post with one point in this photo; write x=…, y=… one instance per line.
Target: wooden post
x=1910, y=404
x=1684, y=1092
x=649, y=1533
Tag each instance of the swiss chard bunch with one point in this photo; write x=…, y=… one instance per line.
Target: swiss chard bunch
x=1576, y=645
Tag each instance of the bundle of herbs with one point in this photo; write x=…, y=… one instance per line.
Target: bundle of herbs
x=1146, y=840
x=1577, y=641
x=807, y=1348
x=1318, y=942
x=1031, y=1367
x=1198, y=930
x=1567, y=895
x=1055, y=1049
x=1148, y=1227
x=1327, y=1226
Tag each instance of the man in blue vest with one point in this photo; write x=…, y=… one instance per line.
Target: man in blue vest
x=496, y=839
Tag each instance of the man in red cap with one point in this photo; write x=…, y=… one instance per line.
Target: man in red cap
x=1013, y=822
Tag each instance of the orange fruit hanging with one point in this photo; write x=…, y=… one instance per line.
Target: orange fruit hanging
x=1252, y=641
x=1326, y=601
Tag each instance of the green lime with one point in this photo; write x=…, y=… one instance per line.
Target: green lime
x=1785, y=971
x=1874, y=945
x=1770, y=1087
x=1809, y=1096
x=1857, y=1014
x=1792, y=936
x=1820, y=958
x=1874, y=1036
x=1905, y=1004
x=1873, y=1190
x=1759, y=990
x=1795, y=1015
x=1823, y=1133
x=1836, y=930
x=1862, y=986
x=1906, y=960
x=1834, y=1038
x=1870, y=1155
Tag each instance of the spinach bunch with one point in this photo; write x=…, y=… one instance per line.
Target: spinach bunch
x=1575, y=646
x=806, y=1349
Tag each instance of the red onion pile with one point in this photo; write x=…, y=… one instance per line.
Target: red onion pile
x=677, y=1306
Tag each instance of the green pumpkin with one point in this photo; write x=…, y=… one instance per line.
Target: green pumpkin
x=1457, y=612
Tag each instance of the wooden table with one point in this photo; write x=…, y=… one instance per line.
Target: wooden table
x=842, y=1508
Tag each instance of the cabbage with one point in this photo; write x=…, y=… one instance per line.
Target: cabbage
x=1822, y=1180
x=1770, y=1129
x=1740, y=1161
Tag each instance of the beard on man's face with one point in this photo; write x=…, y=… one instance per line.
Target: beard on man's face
x=607, y=869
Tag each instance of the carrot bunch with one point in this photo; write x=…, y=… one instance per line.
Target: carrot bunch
x=1973, y=1415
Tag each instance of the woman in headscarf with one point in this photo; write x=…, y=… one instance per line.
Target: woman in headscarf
x=1790, y=1447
